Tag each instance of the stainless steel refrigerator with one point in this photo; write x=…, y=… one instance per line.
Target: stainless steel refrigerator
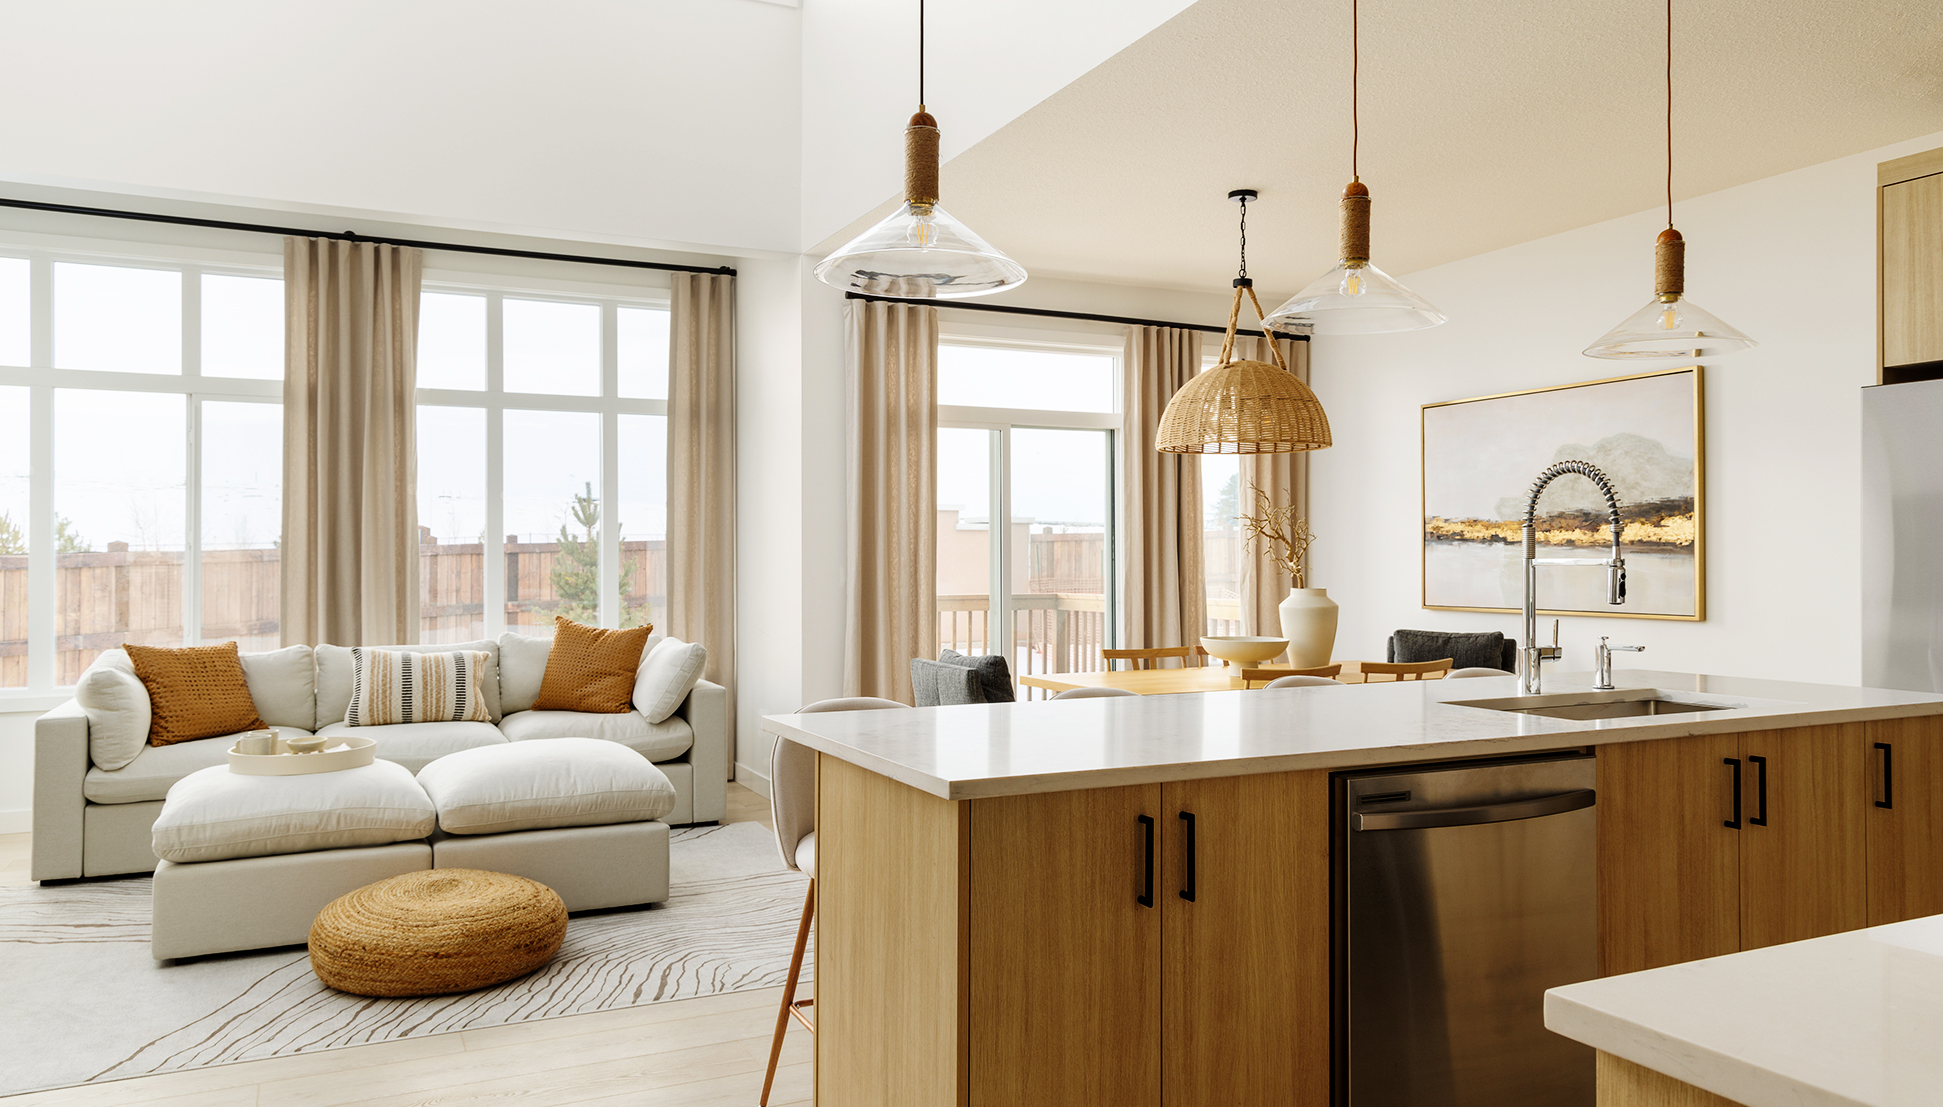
x=1902, y=536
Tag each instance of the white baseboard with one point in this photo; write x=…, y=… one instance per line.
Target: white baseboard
x=753, y=780
x=22, y=821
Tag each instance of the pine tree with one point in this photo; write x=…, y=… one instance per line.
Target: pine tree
x=576, y=568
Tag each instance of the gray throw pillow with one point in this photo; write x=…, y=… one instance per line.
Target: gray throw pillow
x=936, y=684
x=1479, y=650
x=994, y=676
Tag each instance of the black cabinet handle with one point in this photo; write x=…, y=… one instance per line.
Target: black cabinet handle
x=1760, y=790
x=1187, y=840
x=1888, y=799
x=1146, y=898
x=1734, y=763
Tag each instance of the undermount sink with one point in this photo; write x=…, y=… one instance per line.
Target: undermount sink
x=1621, y=703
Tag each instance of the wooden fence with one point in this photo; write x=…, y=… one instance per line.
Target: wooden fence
x=102, y=600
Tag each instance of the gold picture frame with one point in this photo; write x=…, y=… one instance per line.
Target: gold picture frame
x=1472, y=550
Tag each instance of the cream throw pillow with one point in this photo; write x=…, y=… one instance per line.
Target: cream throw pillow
x=116, y=703
x=546, y=782
x=666, y=675
x=398, y=686
x=213, y=814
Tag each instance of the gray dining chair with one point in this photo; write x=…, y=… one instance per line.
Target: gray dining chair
x=792, y=808
x=1092, y=693
x=1302, y=682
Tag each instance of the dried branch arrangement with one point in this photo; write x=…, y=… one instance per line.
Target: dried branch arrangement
x=1288, y=537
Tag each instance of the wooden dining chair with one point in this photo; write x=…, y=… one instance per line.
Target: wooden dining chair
x=1148, y=658
x=1249, y=677
x=1405, y=670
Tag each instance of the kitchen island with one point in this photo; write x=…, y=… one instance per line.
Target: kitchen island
x=1003, y=913
x=1848, y=1020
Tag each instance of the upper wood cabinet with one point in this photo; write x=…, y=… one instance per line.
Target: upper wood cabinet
x=1909, y=278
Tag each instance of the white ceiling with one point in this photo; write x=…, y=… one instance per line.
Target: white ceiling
x=1484, y=124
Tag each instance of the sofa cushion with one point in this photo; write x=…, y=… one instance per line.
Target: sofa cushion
x=544, y=783
x=591, y=668
x=214, y=814
x=336, y=673
x=116, y=703
x=416, y=745
x=194, y=692
x=522, y=666
x=668, y=673
x=662, y=741
x=284, y=685
x=157, y=768
x=406, y=686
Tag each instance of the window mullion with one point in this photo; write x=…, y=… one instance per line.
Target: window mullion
x=42, y=618
x=495, y=544
x=610, y=468
x=192, y=467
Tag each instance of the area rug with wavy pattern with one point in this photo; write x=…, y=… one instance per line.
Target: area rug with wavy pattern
x=81, y=1001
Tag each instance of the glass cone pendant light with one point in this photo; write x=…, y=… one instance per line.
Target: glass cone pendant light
x=920, y=251
x=1355, y=297
x=1670, y=325
x=1243, y=407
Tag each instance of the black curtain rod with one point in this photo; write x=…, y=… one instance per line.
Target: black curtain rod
x=1049, y=313
x=353, y=236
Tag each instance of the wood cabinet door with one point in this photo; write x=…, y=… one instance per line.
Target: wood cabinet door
x=1245, y=990
x=1804, y=865
x=1065, y=962
x=1669, y=867
x=1905, y=818
x=1912, y=271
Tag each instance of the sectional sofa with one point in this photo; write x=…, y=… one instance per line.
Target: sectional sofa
x=89, y=821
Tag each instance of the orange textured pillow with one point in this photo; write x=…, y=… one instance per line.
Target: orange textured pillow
x=194, y=692
x=590, y=669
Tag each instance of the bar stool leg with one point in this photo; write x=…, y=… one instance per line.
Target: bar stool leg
x=789, y=990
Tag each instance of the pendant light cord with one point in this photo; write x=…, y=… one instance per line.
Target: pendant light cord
x=1242, y=277
x=1669, y=113
x=1355, y=81
x=921, y=53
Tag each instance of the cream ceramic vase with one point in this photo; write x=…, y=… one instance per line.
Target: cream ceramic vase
x=1309, y=623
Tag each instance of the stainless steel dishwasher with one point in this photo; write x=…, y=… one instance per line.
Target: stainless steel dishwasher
x=1465, y=890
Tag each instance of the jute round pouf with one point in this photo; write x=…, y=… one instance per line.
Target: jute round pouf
x=436, y=932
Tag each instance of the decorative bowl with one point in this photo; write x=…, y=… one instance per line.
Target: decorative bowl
x=1243, y=649
x=307, y=745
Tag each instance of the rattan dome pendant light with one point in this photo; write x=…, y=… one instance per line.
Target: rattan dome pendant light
x=1670, y=325
x=1243, y=407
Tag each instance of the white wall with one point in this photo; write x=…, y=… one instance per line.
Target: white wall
x=1791, y=261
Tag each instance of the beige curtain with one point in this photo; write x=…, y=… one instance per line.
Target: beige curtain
x=1166, y=595
x=701, y=472
x=350, y=477
x=1285, y=477
x=891, y=355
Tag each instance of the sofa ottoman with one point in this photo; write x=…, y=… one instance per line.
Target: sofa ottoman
x=580, y=815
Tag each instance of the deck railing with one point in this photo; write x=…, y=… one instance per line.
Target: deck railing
x=1052, y=632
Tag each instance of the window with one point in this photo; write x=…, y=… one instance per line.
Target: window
x=542, y=416
x=1027, y=436
x=140, y=451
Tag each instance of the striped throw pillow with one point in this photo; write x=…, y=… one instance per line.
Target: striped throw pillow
x=399, y=686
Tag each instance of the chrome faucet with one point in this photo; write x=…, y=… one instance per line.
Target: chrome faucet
x=1534, y=654
x=1602, y=662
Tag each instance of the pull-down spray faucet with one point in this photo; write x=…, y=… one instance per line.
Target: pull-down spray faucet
x=1535, y=655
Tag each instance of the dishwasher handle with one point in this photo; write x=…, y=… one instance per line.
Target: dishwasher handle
x=1536, y=807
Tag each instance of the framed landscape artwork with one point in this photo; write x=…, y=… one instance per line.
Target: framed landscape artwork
x=1481, y=456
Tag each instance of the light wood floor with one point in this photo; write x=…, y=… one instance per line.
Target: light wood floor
x=692, y=1053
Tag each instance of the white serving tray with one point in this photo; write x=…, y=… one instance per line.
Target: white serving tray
x=353, y=753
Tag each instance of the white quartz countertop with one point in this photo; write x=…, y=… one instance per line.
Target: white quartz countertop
x=1000, y=749
x=1854, y=1020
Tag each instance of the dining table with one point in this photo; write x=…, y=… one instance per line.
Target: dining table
x=1194, y=678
